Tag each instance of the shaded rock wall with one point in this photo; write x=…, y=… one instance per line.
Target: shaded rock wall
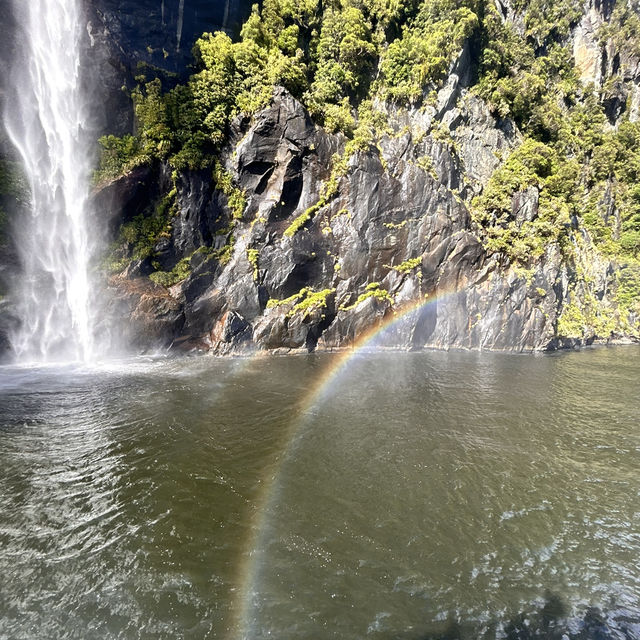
x=125, y=36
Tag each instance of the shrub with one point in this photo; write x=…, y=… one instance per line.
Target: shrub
x=420, y=58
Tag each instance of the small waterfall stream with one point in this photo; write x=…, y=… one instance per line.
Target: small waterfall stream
x=45, y=118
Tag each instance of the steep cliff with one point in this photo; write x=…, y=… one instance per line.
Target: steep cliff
x=466, y=169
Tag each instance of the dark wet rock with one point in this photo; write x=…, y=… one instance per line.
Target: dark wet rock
x=162, y=32
x=232, y=333
x=351, y=325
x=155, y=317
x=396, y=247
x=281, y=160
x=292, y=328
x=8, y=323
x=125, y=37
x=120, y=200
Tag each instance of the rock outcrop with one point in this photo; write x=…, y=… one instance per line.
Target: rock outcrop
x=395, y=246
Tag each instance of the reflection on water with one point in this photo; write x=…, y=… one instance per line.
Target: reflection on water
x=549, y=622
x=423, y=496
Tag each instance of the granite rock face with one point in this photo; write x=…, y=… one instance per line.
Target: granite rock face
x=395, y=246
x=162, y=32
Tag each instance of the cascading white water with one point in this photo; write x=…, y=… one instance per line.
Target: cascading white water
x=45, y=118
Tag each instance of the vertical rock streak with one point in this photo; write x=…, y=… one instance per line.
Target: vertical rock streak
x=45, y=118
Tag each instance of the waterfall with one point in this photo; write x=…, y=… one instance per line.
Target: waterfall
x=180, y=23
x=225, y=19
x=45, y=118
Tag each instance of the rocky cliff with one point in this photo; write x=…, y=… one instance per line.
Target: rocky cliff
x=470, y=218
x=395, y=235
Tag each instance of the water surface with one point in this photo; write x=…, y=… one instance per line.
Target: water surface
x=420, y=496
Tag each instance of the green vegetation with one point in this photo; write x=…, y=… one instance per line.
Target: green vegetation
x=13, y=190
x=235, y=197
x=312, y=301
x=423, y=53
x=274, y=303
x=579, y=176
x=628, y=293
x=344, y=59
x=426, y=164
x=305, y=301
x=252, y=256
x=615, y=165
x=589, y=318
x=339, y=169
x=13, y=183
x=536, y=166
x=335, y=57
x=623, y=28
x=576, y=166
x=329, y=190
x=139, y=236
x=393, y=225
x=303, y=219
x=529, y=77
x=183, y=269
x=572, y=322
x=224, y=255
x=168, y=278
x=442, y=133
x=118, y=156
x=407, y=266
x=372, y=290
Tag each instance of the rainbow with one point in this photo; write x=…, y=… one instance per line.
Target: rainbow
x=249, y=569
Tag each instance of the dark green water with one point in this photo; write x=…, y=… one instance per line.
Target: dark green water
x=419, y=496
